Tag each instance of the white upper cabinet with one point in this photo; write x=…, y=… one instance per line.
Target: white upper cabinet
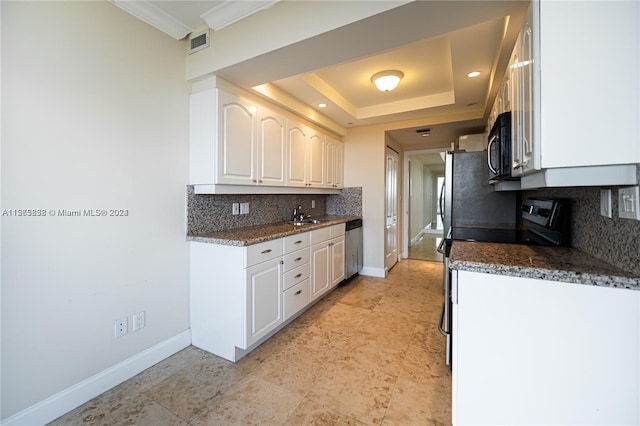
x=316, y=160
x=334, y=168
x=576, y=97
x=271, y=148
x=235, y=140
x=237, y=144
x=296, y=154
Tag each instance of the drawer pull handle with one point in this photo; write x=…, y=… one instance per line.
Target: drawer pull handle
x=298, y=259
x=298, y=276
x=266, y=251
x=282, y=262
x=297, y=292
x=298, y=242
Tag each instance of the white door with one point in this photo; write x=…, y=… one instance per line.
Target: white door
x=391, y=210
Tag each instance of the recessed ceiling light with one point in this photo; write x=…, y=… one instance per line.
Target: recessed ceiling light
x=473, y=74
x=322, y=105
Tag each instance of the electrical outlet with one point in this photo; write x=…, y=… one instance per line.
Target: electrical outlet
x=313, y=204
x=244, y=208
x=235, y=208
x=138, y=321
x=121, y=327
x=605, y=202
x=629, y=202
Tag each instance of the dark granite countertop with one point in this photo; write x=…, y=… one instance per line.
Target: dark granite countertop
x=258, y=234
x=549, y=263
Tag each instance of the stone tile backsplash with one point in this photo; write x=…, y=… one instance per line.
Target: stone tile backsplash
x=615, y=240
x=213, y=212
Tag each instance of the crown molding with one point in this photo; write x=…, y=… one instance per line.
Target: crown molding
x=154, y=16
x=231, y=11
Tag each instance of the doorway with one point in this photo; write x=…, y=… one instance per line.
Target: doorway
x=424, y=178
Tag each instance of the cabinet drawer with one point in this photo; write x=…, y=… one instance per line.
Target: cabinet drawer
x=319, y=235
x=297, y=258
x=296, y=242
x=297, y=275
x=262, y=252
x=336, y=230
x=296, y=298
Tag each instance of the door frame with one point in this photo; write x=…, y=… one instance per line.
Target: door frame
x=406, y=194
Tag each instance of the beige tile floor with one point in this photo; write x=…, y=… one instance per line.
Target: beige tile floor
x=425, y=248
x=369, y=353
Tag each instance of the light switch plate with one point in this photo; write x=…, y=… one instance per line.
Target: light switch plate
x=605, y=202
x=235, y=208
x=629, y=202
x=244, y=208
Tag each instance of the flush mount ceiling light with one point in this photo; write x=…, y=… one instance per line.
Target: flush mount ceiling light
x=388, y=80
x=473, y=74
x=322, y=105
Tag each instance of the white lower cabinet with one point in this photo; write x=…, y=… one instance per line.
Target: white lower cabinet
x=242, y=295
x=327, y=259
x=529, y=351
x=296, y=298
x=264, y=303
x=320, y=269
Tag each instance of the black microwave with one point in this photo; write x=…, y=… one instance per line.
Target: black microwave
x=499, y=148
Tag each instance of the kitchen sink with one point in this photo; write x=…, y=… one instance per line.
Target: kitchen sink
x=307, y=222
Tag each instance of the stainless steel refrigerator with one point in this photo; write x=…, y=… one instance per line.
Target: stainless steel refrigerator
x=471, y=210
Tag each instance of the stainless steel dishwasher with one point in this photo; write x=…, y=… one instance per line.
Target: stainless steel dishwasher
x=353, y=248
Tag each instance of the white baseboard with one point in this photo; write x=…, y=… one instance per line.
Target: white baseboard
x=373, y=272
x=55, y=406
x=415, y=239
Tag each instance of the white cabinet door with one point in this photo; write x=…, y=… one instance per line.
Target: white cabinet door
x=531, y=351
x=320, y=269
x=526, y=96
x=271, y=157
x=334, y=164
x=516, y=108
x=338, y=158
x=579, y=105
x=236, y=140
x=330, y=166
x=264, y=299
x=316, y=160
x=337, y=260
x=296, y=154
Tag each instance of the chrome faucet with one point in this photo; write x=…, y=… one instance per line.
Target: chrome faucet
x=298, y=214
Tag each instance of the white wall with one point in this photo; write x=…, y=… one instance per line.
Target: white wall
x=364, y=166
x=94, y=116
x=417, y=193
x=430, y=196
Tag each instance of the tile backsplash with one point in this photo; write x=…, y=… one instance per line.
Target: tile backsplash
x=615, y=240
x=208, y=213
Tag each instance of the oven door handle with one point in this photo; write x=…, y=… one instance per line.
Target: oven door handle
x=491, y=142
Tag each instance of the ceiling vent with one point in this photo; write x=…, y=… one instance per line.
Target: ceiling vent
x=198, y=41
